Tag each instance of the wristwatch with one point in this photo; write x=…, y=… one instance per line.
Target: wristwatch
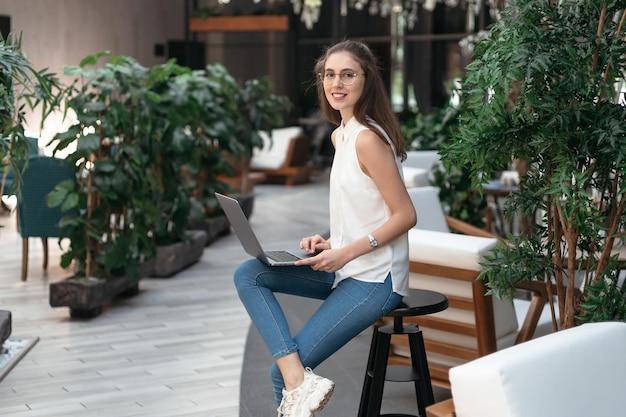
x=373, y=241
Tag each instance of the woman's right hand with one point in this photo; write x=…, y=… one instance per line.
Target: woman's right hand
x=314, y=244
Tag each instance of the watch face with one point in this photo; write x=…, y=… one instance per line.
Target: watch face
x=373, y=241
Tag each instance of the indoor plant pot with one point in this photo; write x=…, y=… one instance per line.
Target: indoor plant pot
x=85, y=297
x=214, y=227
x=170, y=259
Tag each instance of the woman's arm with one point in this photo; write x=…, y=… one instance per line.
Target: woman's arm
x=377, y=160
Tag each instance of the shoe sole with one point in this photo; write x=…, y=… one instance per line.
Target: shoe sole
x=321, y=402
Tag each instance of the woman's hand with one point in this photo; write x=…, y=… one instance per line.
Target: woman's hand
x=326, y=259
x=329, y=260
x=314, y=244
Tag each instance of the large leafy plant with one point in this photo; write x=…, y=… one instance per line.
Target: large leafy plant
x=22, y=88
x=193, y=120
x=216, y=137
x=112, y=232
x=545, y=88
x=149, y=145
x=260, y=110
x=141, y=139
x=256, y=108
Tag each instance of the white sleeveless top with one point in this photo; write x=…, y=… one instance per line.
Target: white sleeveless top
x=356, y=209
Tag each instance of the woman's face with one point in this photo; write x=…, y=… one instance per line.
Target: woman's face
x=340, y=96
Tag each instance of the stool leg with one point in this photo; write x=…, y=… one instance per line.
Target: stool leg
x=379, y=372
x=367, y=381
x=423, y=386
x=372, y=396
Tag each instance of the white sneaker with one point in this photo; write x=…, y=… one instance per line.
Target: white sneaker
x=312, y=395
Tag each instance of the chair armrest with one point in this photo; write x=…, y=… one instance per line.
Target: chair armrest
x=299, y=153
x=441, y=409
x=538, y=300
x=468, y=229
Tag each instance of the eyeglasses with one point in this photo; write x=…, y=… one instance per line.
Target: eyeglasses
x=346, y=78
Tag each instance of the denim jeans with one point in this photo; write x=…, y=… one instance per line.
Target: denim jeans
x=347, y=310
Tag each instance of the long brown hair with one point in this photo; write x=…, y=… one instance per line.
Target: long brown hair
x=374, y=103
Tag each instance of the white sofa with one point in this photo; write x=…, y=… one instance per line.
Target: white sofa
x=578, y=372
x=474, y=324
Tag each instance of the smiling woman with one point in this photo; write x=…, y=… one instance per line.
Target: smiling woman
x=361, y=271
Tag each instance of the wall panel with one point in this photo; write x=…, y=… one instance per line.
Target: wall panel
x=62, y=32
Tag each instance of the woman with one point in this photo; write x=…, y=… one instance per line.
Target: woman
x=361, y=271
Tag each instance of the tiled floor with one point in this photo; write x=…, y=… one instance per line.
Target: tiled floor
x=175, y=349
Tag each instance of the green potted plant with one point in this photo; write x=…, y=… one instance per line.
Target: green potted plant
x=110, y=236
x=546, y=88
x=257, y=108
x=22, y=87
x=194, y=120
x=122, y=196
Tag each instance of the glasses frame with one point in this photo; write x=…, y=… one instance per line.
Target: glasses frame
x=341, y=74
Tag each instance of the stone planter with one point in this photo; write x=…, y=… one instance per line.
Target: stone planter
x=214, y=227
x=174, y=258
x=218, y=226
x=246, y=201
x=5, y=326
x=85, y=297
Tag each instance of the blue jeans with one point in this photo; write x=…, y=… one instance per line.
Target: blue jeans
x=347, y=310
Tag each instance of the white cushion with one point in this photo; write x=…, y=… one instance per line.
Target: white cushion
x=415, y=177
x=451, y=249
x=577, y=372
x=428, y=209
x=422, y=159
x=274, y=152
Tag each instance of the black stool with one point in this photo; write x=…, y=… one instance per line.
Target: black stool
x=418, y=303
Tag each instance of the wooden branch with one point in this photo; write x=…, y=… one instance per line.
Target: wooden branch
x=610, y=240
x=90, y=203
x=596, y=53
x=601, y=22
x=558, y=260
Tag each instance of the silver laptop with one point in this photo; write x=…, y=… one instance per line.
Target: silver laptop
x=248, y=239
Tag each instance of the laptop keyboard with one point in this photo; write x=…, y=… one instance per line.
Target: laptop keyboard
x=281, y=256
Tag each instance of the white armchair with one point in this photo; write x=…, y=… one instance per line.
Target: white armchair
x=578, y=372
x=284, y=156
x=474, y=325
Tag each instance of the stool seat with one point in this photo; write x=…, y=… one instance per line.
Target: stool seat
x=417, y=303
